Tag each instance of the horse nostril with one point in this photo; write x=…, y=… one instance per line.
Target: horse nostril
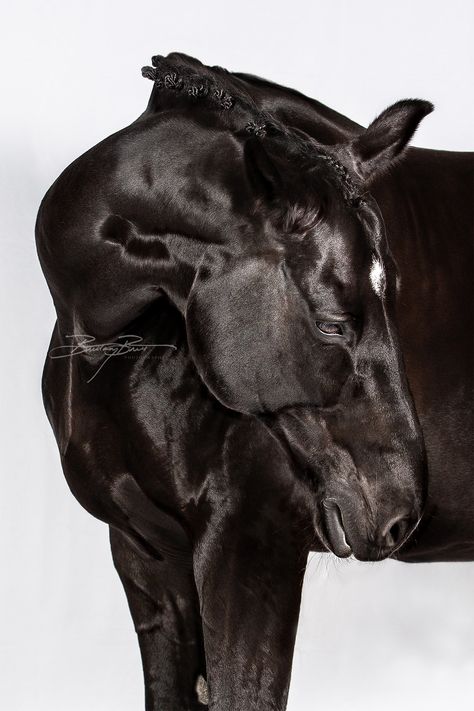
x=396, y=532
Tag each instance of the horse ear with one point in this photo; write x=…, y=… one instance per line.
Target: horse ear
x=387, y=137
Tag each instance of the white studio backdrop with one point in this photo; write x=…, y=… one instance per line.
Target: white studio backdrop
x=371, y=637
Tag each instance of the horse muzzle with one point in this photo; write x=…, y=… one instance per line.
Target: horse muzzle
x=347, y=533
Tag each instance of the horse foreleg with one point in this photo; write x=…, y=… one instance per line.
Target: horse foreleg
x=164, y=606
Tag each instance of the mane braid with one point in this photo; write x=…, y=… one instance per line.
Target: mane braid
x=178, y=79
x=266, y=125
x=165, y=76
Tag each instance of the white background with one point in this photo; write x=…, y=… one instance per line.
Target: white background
x=371, y=637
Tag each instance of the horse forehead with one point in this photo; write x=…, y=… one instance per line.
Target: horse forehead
x=343, y=251
x=346, y=262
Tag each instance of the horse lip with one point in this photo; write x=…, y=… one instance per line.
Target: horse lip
x=335, y=530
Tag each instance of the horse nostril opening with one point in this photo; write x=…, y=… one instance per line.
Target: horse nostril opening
x=393, y=535
x=396, y=532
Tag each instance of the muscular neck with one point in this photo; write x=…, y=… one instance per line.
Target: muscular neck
x=317, y=120
x=294, y=109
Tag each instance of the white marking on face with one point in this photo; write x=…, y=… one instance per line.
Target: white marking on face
x=377, y=276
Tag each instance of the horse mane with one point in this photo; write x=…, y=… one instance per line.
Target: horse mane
x=181, y=79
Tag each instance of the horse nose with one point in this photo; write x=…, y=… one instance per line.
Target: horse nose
x=396, y=531
x=346, y=532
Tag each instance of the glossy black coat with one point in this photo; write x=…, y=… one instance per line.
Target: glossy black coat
x=233, y=224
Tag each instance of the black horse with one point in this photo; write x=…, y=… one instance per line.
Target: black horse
x=259, y=302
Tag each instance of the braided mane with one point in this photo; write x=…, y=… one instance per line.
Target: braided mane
x=167, y=74
x=181, y=77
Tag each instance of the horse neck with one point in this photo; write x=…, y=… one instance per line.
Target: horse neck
x=292, y=108
x=423, y=201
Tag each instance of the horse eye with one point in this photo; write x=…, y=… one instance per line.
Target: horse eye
x=330, y=329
